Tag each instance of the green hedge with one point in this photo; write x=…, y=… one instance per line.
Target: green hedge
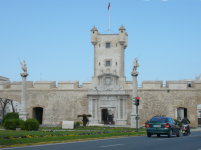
x=12, y=124
x=11, y=121
x=12, y=115
x=30, y=124
x=78, y=123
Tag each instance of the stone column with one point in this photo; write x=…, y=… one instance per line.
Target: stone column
x=23, y=113
x=118, y=108
x=134, y=74
x=96, y=110
x=90, y=111
x=124, y=108
x=94, y=118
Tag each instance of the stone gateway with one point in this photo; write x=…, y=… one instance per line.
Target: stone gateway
x=108, y=97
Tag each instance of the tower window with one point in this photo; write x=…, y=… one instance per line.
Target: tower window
x=107, y=63
x=93, y=31
x=116, y=63
x=99, y=45
x=99, y=63
x=107, y=45
x=116, y=44
x=189, y=84
x=122, y=31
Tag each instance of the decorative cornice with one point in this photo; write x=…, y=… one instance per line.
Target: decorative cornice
x=24, y=74
x=134, y=73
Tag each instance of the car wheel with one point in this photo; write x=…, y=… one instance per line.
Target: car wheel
x=178, y=135
x=148, y=135
x=170, y=134
x=158, y=135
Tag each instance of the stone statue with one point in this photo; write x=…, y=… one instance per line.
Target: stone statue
x=135, y=64
x=24, y=68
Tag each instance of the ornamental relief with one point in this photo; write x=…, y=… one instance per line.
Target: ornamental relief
x=109, y=82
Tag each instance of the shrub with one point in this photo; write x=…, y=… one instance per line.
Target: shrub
x=12, y=124
x=30, y=124
x=12, y=115
x=179, y=123
x=78, y=123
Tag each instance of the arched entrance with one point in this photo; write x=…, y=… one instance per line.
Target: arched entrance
x=199, y=114
x=181, y=113
x=108, y=115
x=38, y=114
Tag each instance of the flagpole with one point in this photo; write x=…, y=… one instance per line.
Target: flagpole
x=109, y=18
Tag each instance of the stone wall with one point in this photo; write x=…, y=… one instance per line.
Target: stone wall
x=164, y=102
x=61, y=105
x=57, y=105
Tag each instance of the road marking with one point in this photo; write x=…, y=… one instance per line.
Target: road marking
x=112, y=145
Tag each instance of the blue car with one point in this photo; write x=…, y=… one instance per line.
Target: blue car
x=162, y=126
x=0, y=121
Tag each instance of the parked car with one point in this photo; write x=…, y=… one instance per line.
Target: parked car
x=162, y=126
x=0, y=122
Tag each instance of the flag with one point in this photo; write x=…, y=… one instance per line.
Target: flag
x=109, y=6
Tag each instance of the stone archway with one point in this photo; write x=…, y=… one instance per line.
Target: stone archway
x=181, y=113
x=38, y=114
x=199, y=114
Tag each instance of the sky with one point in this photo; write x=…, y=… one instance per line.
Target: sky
x=54, y=38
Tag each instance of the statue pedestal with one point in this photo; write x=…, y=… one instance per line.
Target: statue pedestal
x=133, y=121
x=23, y=115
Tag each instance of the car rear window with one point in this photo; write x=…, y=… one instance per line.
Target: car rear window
x=158, y=119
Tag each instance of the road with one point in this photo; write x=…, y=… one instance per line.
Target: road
x=192, y=142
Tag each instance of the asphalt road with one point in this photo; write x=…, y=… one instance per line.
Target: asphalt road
x=192, y=142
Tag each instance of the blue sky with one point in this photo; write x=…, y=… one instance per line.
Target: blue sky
x=54, y=39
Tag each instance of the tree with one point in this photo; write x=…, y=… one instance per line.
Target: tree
x=3, y=105
x=85, y=119
x=11, y=103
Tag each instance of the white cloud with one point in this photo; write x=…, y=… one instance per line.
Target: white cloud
x=145, y=0
x=164, y=0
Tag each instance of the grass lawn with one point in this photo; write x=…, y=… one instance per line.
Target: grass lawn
x=92, y=128
x=8, y=138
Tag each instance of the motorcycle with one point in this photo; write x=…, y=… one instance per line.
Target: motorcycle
x=185, y=129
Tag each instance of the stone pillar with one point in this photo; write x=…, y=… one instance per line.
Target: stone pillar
x=124, y=109
x=134, y=74
x=90, y=110
x=120, y=120
x=91, y=107
x=96, y=110
x=23, y=113
x=94, y=106
x=118, y=108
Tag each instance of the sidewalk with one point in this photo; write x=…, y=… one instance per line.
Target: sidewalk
x=197, y=129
